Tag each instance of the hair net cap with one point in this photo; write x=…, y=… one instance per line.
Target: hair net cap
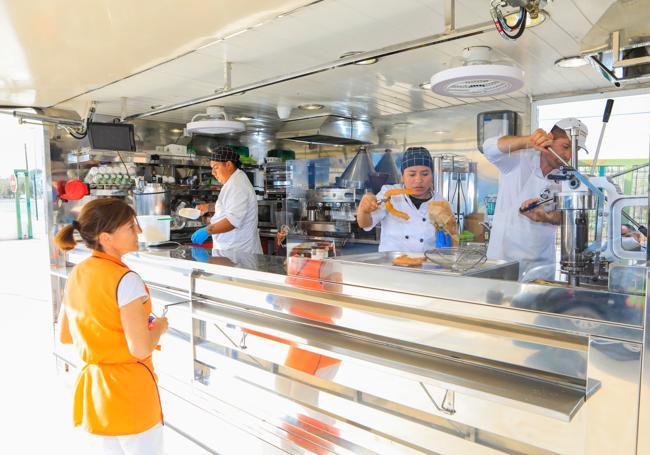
x=416, y=156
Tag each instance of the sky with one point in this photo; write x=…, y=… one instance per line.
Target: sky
x=627, y=135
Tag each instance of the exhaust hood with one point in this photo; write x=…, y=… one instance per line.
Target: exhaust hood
x=618, y=44
x=328, y=129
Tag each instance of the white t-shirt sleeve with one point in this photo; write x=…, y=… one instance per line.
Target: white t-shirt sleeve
x=131, y=287
x=505, y=162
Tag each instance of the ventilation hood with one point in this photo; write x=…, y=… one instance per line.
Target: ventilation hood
x=618, y=45
x=328, y=129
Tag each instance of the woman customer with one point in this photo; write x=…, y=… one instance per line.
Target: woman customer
x=105, y=313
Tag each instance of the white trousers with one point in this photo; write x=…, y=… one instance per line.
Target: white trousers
x=148, y=442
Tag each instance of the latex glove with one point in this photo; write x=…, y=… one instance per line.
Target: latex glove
x=443, y=239
x=200, y=236
x=200, y=254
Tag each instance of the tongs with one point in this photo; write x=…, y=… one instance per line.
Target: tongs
x=534, y=205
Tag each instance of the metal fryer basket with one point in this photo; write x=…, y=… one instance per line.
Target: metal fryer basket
x=457, y=259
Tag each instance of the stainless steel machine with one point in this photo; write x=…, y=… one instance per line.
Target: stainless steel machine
x=278, y=176
x=332, y=211
x=455, y=178
x=584, y=257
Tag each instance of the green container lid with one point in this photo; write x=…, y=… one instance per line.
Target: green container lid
x=282, y=154
x=241, y=150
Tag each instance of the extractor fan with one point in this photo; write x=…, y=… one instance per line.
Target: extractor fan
x=211, y=123
x=477, y=77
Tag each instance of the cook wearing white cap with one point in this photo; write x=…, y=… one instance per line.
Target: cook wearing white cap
x=234, y=224
x=524, y=162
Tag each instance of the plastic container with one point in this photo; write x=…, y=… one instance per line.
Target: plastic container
x=155, y=228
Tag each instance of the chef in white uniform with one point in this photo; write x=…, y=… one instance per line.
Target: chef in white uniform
x=415, y=234
x=524, y=163
x=234, y=224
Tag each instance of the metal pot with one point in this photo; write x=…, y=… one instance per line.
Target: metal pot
x=151, y=199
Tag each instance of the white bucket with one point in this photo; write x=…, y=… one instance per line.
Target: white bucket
x=155, y=228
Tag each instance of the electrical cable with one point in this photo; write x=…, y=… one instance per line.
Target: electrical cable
x=501, y=25
x=119, y=155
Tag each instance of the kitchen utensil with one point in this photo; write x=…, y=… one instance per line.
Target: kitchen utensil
x=189, y=212
x=457, y=259
x=534, y=205
x=155, y=228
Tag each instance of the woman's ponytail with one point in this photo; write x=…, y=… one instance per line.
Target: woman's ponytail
x=64, y=239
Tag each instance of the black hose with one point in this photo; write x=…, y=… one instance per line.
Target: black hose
x=522, y=19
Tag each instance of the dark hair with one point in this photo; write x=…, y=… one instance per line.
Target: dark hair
x=557, y=132
x=97, y=216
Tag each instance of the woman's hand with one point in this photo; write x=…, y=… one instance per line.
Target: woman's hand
x=159, y=325
x=368, y=204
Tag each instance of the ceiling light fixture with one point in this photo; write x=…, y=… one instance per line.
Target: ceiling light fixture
x=176, y=130
x=244, y=118
x=425, y=85
x=368, y=61
x=511, y=19
x=211, y=124
x=311, y=107
x=439, y=131
x=477, y=77
x=402, y=124
x=575, y=61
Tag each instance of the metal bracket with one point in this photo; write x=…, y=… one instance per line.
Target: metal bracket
x=616, y=54
x=450, y=16
x=227, y=78
x=447, y=405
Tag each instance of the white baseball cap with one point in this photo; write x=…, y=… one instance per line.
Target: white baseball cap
x=570, y=122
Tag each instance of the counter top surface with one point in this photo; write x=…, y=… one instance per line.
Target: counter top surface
x=415, y=290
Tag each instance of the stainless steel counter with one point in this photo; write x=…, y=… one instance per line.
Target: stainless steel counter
x=338, y=356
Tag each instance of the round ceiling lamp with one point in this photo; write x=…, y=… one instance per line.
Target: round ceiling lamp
x=575, y=61
x=214, y=125
x=478, y=77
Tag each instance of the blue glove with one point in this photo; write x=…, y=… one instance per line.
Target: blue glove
x=200, y=236
x=442, y=239
x=200, y=254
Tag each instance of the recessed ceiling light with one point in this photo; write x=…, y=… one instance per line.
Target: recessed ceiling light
x=176, y=130
x=439, y=131
x=511, y=19
x=425, y=85
x=575, y=61
x=244, y=118
x=311, y=107
x=368, y=61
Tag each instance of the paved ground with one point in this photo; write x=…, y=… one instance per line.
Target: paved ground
x=35, y=402
x=35, y=406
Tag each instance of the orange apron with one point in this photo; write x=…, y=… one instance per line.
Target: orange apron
x=115, y=393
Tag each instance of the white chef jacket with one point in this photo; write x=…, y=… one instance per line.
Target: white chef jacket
x=238, y=204
x=416, y=234
x=515, y=237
